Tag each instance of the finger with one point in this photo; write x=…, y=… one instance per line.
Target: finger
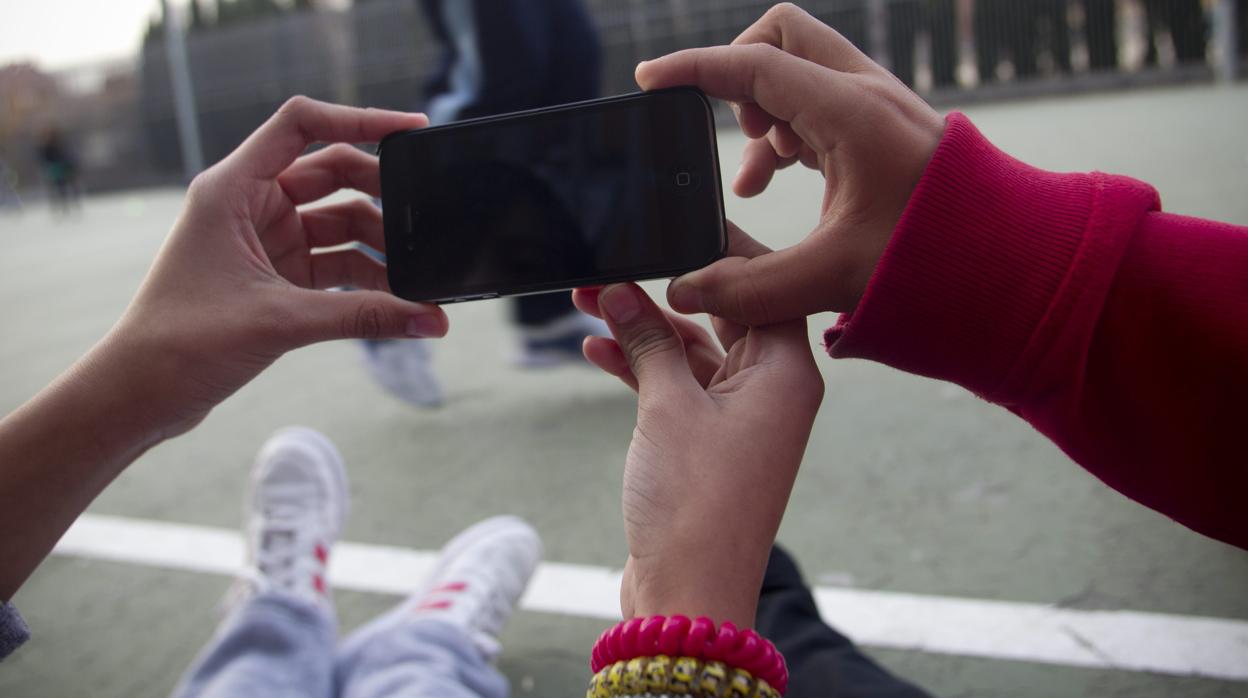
x=759, y=163
x=605, y=353
x=786, y=143
x=809, y=159
x=774, y=287
x=317, y=316
x=806, y=95
x=319, y=174
x=755, y=121
x=586, y=300
x=728, y=332
x=703, y=356
x=337, y=224
x=741, y=244
x=788, y=349
x=346, y=268
x=654, y=350
x=791, y=29
x=301, y=121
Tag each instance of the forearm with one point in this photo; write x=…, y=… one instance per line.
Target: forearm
x=62, y=448
x=1115, y=330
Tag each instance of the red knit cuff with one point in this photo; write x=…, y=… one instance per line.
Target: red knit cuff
x=987, y=254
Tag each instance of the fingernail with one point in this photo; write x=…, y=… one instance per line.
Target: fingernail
x=686, y=297
x=620, y=303
x=424, y=326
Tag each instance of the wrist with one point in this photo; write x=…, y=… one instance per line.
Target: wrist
x=127, y=385
x=697, y=580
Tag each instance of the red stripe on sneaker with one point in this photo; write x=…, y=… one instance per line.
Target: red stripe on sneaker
x=449, y=586
x=319, y=582
x=434, y=605
x=321, y=553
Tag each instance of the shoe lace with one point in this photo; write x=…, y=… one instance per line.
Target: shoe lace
x=496, y=604
x=278, y=551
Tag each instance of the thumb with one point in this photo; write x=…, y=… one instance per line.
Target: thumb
x=320, y=316
x=654, y=350
x=773, y=287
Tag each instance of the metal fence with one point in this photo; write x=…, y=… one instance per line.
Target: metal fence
x=379, y=52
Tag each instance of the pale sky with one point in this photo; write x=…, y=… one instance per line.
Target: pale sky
x=66, y=33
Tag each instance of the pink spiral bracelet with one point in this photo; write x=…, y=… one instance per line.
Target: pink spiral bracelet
x=678, y=636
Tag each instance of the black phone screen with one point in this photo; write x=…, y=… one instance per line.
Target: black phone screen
x=615, y=189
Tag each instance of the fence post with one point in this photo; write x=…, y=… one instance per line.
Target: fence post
x=183, y=95
x=1226, y=34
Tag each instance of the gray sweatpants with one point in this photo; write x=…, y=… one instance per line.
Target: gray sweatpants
x=274, y=645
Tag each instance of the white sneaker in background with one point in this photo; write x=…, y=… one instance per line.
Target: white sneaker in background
x=404, y=367
x=297, y=508
x=475, y=585
x=559, y=341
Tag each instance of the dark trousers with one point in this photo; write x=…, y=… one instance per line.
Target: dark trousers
x=1185, y=20
x=991, y=29
x=903, y=28
x=541, y=308
x=822, y=662
x=943, y=22
x=1102, y=31
x=1241, y=21
x=1053, y=26
x=906, y=18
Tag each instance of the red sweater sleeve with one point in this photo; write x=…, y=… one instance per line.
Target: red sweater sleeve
x=1118, y=331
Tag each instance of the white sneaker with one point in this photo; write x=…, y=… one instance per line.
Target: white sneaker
x=475, y=585
x=404, y=367
x=298, y=504
x=559, y=341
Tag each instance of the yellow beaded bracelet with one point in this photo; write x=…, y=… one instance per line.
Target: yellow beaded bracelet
x=679, y=676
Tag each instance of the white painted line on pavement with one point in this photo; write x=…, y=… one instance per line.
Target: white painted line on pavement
x=1125, y=640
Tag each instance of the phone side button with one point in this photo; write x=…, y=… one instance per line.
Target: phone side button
x=488, y=296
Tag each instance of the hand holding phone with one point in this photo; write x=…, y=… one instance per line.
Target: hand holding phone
x=806, y=94
x=624, y=188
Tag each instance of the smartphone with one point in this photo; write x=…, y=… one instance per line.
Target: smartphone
x=618, y=189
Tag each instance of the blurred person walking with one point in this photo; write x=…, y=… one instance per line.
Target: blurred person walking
x=1184, y=20
x=1101, y=26
x=1049, y=22
x=501, y=56
x=1241, y=26
x=9, y=197
x=993, y=31
x=60, y=170
x=906, y=20
x=1018, y=31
